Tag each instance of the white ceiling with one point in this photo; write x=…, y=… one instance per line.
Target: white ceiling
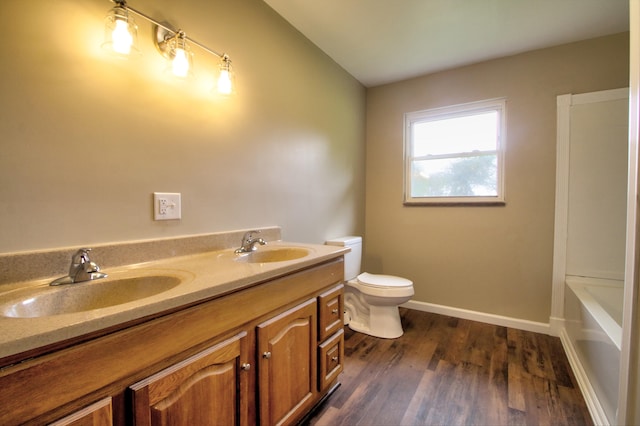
x=382, y=41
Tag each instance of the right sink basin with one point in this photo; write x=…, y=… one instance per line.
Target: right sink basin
x=272, y=254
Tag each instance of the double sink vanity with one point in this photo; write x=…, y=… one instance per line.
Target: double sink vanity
x=190, y=332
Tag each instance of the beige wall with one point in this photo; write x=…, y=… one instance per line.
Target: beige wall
x=86, y=138
x=495, y=260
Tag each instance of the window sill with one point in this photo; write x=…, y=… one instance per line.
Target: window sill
x=454, y=203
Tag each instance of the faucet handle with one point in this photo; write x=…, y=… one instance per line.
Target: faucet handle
x=249, y=234
x=83, y=252
x=81, y=261
x=80, y=256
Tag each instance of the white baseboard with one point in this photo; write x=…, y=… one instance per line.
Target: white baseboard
x=590, y=398
x=520, y=324
x=555, y=325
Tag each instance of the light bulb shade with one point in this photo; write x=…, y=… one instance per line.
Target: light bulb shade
x=225, y=83
x=120, y=32
x=180, y=56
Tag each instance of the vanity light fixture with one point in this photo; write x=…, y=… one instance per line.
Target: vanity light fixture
x=121, y=38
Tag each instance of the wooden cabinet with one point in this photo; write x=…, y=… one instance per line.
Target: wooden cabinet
x=209, y=388
x=262, y=355
x=97, y=414
x=300, y=356
x=287, y=364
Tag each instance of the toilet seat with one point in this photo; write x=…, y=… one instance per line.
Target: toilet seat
x=383, y=285
x=385, y=281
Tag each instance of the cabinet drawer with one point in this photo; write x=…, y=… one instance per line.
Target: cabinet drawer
x=331, y=312
x=331, y=356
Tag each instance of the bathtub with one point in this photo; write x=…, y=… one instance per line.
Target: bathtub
x=593, y=326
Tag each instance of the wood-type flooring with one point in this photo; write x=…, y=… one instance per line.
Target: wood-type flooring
x=450, y=371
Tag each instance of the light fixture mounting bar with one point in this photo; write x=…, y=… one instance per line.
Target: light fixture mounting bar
x=124, y=5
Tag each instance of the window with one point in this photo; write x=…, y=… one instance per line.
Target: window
x=455, y=154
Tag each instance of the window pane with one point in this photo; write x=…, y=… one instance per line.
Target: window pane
x=455, y=177
x=456, y=154
x=470, y=133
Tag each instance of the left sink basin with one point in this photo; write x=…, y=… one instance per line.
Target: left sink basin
x=86, y=296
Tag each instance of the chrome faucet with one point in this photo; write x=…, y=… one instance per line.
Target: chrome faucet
x=249, y=242
x=81, y=269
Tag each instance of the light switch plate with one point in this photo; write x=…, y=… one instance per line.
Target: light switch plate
x=166, y=206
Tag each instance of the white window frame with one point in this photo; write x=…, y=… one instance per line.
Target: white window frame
x=498, y=105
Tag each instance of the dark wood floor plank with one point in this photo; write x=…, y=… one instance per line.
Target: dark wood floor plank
x=561, y=368
x=517, y=388
x=451, y=371
x=417, y=409
x=479, y=344
x=517, y=418
x=573, y=411
x=407, y=363
x=497, y=386
x=437, y=400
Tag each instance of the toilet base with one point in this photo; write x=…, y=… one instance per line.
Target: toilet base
x=379, y=321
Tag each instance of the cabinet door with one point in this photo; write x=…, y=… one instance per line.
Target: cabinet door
x=98, y=414
x=287, y=365
x=208, y=388
x=331, y=311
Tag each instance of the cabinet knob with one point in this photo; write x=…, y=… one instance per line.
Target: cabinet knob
x=246, y=366
x=334, y=359
x=266, y=355
x=334, y=311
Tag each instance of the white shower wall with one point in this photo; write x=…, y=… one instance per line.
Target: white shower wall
x=597, y=189
x=590, y=242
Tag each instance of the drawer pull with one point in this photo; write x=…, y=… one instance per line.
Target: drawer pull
x=266, y=355
x=334, y=359
x=246, y=366
x=334, y=311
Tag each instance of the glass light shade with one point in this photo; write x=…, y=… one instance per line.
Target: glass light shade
x=120, y=32
x=121, y=37
x=226, y=78
x=180, y=57
x=180, y=63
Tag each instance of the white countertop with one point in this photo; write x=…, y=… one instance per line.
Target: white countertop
x=204, y=276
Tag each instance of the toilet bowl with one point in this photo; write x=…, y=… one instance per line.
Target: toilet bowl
x=371, y=301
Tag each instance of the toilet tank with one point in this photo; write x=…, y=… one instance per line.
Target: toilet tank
x=351, y=259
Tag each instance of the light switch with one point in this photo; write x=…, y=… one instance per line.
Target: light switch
x=166, y=206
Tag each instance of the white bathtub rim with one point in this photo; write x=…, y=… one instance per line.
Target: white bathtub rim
x=611, y=328
x=587, y=280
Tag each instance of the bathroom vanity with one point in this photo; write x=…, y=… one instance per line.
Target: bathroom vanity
x=259, y=343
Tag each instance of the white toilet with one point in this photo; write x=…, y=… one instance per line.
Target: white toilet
x=371, y=301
